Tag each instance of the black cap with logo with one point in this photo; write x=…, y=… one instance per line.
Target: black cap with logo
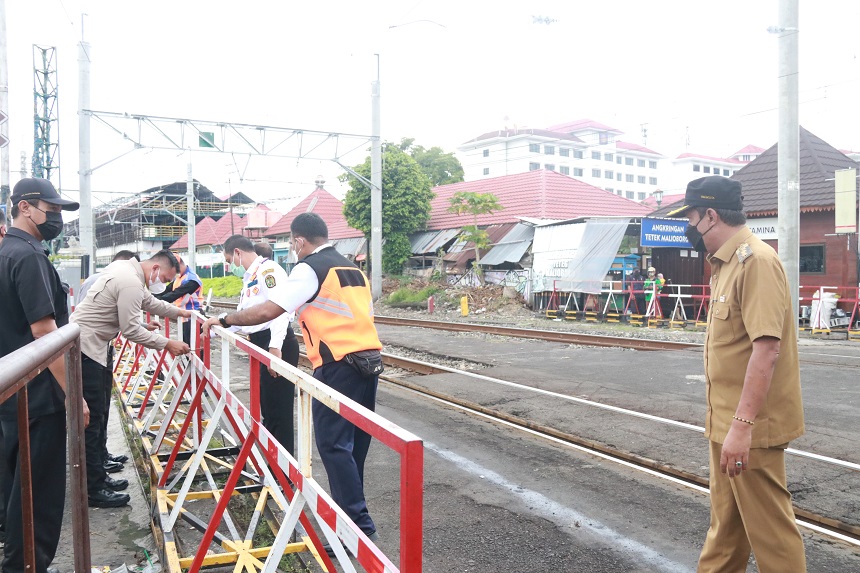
x=35, y=188
x=715, y=192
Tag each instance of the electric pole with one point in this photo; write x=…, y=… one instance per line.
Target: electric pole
x=85, y=217
x=376, y=193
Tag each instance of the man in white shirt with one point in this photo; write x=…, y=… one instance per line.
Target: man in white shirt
x=262, y=280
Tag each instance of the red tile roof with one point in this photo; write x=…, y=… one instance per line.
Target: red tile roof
x=525, y=131
x=536, y=194
x=211, y=232
x=635, y=147
x=709, y=158
x=749, y=150
x=581, y=124
x=326, y=206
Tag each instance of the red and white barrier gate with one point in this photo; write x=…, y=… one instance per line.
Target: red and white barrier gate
x=208, y=453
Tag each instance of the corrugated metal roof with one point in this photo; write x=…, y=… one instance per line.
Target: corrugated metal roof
x=431, y=241
x=512, y=247
x=461, y=251
x=350, y=247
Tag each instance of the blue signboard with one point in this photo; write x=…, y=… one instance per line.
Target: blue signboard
x=664, y=233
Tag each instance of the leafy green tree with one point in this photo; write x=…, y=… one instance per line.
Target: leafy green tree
x=471, y=203
x=406, y=196
x=442, y=168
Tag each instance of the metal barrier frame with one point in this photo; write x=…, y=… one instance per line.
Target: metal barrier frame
x=188, y=378
x=16, y=370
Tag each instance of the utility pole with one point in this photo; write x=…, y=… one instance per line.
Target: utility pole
x=4, y=111
x=85, y=219
x=376, y=193
x=192, y=233
x=788, y=155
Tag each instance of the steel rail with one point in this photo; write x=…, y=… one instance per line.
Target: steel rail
x=817, y=522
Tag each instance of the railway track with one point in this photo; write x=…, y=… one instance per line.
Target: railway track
x=846, y=532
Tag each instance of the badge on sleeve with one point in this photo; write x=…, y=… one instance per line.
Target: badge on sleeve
x=270, y=281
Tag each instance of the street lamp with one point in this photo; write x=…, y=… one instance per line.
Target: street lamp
x=658, y=196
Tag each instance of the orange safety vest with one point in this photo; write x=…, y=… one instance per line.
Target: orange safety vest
x=338, y=319
x=193, y=301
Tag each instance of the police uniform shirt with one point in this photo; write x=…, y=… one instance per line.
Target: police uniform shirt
x=265, y=280
x=749, y=300
x=30, y=290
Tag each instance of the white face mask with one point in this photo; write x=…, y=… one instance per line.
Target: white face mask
x=155, y=285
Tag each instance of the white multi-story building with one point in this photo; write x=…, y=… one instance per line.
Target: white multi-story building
x=689, y=166
x=583, y=149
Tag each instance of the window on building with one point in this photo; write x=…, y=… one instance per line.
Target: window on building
x=603, y=138
x=640, y=196
x=652, y=181
x=564, y=151
x=640, y=163
x=486, y=170
x=629, y=178
x=745, y=158
x=609, y=174
x=619, y=192
x=534, y=147
x=595, y=155
x=564, y=170
x=618, y=177
x=486, y=153
x=577, y=172
x=549, y=167
x=734, y=171
x=608, y=156
x=812, y=259
x=640, y=179
x=534, y=166
x=652, y=164
x=595, y=172
x=549, y=150
x=708, y=169
x=697, y=167
x=726, y=172
x=610, y=189
x=577, y=154
x=618, y=160
x=628, y=161
x=630, y=194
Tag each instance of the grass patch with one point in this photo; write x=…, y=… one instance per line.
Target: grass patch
x=223, y=287
x=406, y=297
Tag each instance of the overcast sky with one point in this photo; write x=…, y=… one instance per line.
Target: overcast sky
x=703, y=70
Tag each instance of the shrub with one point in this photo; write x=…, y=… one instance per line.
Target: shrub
x=408, y=297
x=223, y=287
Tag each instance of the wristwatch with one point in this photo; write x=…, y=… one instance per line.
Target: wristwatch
x=222, y=318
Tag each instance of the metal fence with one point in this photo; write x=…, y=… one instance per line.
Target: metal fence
x=16, y=370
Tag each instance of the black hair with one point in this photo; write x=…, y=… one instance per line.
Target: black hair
x=125, y=256
x=166, y=256
x=731, y=217
x=264, y=250
x=310, y=226
x=240, y=242
x=15, y=210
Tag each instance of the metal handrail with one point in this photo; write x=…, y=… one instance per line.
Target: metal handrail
x=16, y=370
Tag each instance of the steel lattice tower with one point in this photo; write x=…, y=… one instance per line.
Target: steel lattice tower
x=46, y=126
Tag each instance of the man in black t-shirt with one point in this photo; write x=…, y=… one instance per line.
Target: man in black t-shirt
x=33, y=303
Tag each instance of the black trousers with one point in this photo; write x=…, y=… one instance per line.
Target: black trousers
x=186, y=336
x=94, y=377
x=48, y=463
x=343, y=447
x=277, y=395
x=106, y=405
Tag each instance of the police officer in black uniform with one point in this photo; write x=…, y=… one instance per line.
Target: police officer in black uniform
x=33, y=303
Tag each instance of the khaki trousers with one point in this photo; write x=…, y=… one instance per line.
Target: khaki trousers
x=752, y=511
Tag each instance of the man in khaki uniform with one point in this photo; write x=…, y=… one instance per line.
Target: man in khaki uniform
x=753, y=387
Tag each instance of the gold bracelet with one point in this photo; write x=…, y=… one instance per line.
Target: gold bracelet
x=750, y=422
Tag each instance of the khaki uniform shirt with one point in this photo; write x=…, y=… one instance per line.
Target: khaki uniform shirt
x=113, y=305
x=750, y=299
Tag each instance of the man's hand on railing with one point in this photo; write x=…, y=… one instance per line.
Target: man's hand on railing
x=152, y=325
x=177, y=347
x=185, y=313
x=207, y=325
x=274, y=352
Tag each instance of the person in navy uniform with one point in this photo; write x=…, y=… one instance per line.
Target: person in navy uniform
x=264, y=280
x=33, y=303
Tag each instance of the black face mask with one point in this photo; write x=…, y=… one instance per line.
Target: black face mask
x=695, y=237
x=52, y=226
